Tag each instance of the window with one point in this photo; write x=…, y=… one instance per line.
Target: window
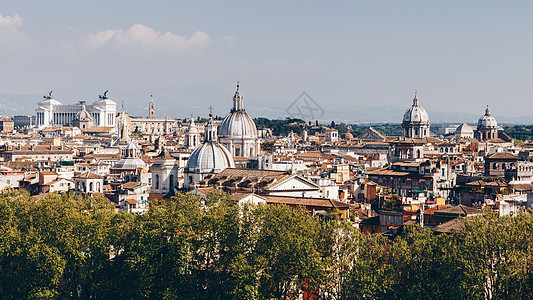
x=171, y=182
x=157, y=181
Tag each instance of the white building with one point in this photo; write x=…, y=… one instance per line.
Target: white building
x=89, y=183
x=52, y=112
x=164, y=173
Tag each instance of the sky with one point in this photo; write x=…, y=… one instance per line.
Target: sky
x=458, y=55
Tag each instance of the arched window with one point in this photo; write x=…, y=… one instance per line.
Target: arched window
x=90, y=186
x=157, y=181
x=171, y=183
x=98, y=187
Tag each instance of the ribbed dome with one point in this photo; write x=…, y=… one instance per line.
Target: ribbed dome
x=210, y=157
x=131, y=160
x=487, y=120
x=130, y=163
x=416, y=114
x=84, y=115
x=237, y=123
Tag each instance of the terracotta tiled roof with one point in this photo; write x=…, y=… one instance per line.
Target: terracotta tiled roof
x=315, y=202
x=88, y=175
x=482, y=183
x=459, y=210
x=131, y=185
x=502, y=156
x=450, y=226
x=522, y=186
x=387, y=173
x=48, y=173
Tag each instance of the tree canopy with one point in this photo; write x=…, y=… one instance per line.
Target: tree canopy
x=68, y=246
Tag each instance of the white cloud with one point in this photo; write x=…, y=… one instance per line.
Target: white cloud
x=146, y=38
x=10, y=35
x=10, y=22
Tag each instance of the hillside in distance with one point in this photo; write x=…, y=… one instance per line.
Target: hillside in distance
x=181, y=102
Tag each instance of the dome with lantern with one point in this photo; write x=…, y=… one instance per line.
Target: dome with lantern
x=209, y=158
x=237, y=131
x=487, y=127
x=416, y=121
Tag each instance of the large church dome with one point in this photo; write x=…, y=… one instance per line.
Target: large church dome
x=211, y=156
x=487, y=127
x=487, y=120
x=416, y=121
x=416, y=113
x=237, y=124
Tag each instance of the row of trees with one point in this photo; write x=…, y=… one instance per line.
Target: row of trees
x=281, y=127
x=66, y=246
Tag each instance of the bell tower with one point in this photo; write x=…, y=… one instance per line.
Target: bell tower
x=151, y=108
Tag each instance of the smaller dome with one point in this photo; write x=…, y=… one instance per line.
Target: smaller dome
x=348, y=136
x=464, y=129
x=130, y=163
x=84, y=115
x=210, y=157
x=416, y=114
x=487, y=121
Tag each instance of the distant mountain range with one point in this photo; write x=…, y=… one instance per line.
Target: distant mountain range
x=180, y=102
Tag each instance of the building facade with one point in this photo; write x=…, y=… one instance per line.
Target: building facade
x=51, y=112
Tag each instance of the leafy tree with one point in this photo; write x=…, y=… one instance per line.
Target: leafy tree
x=287, y=251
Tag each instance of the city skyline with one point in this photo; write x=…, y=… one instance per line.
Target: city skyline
x=459, y=56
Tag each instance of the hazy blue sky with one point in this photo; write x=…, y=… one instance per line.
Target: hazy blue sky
x=459, y=55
